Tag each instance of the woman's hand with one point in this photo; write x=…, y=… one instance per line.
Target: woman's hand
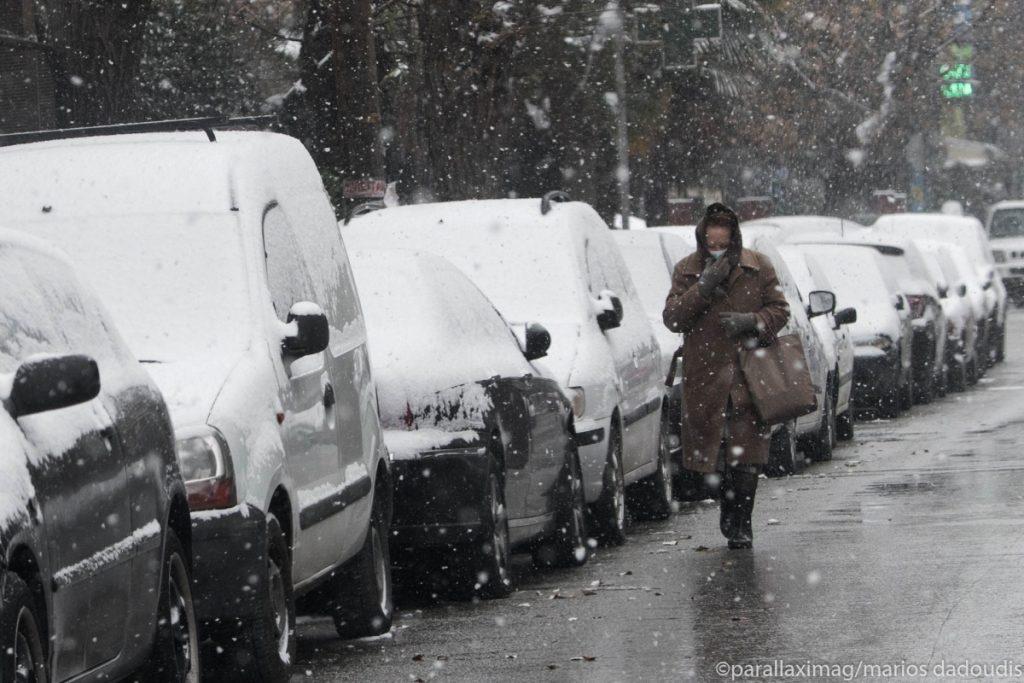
x=737, y=324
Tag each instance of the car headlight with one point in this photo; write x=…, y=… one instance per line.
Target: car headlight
x=205, y=462
x=999, y=255
x=578, y=399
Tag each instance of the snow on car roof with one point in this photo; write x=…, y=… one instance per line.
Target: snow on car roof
x=527, y=263
x=429, y=329
x=791, y=224
x=142, y=173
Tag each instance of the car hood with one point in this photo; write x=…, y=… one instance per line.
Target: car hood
x=191, y=387
x=560, y=361
x=875, y=320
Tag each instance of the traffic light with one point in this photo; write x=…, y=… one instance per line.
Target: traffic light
x=958, y=76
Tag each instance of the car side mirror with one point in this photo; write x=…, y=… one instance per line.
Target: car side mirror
x=308, y=331
x=847, y=316
x=820, y=303
x=987, y=285
x=538, y=341
x=943, y=292
x=53, y=383
x=961, y=290
x=898, y=303
x=611, y=313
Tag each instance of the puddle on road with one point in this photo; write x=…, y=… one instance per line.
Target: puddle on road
x=898, y=487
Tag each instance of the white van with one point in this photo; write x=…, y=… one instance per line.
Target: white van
x=555, y=263
x=222, y=265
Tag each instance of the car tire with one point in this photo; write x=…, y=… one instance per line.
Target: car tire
x=906, y=394
x=24, y=644
x=490, y=564
x=176, y=650
x=362, y=591
x=819, y=446
x=924, y=392
x=568, y=547
x=783, y=458
x=609, y=513
x=845, y=429
x=652, y=497
x=973, y=372
x=889, y=405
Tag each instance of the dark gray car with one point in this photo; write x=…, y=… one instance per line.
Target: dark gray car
x=94, y=520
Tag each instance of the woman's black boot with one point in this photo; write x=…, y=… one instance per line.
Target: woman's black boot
x=743, y=483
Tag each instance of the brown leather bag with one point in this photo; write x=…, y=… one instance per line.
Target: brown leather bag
x=779, y=380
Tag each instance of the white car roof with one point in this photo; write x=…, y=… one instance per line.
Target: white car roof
x=146, y=173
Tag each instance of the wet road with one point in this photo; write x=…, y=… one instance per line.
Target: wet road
x=906, y=550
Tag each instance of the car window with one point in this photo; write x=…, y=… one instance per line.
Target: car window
x=1007, y=223
x=43, y=310
x=287, y=277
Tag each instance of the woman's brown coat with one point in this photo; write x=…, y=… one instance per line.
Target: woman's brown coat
x=711, y=374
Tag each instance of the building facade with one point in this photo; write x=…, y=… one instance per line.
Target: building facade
x=26, y=82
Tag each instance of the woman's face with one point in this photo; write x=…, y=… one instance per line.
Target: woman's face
x=718, y=237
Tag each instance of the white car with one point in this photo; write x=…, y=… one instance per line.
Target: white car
x=555, y=263
x=1005, y=225
x=833, y=332
x=222, y=265
x=793, y=226
x=816, y=431
x=967, y=233
x=881, y=339
x=960, y=312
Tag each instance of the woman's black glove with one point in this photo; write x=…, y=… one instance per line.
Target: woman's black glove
x=736, y=324
x=715, y=273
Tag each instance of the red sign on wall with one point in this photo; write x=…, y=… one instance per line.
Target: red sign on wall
x=364, y=189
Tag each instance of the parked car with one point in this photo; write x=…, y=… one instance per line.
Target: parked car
x=483, y=445
x=882, y=340
x=221, y=262
x=833, y=333
x=794, y=226
x=969, y=234
x=1005, y=226
x=963, y=305
x=907, y=276
x=814, y=433
x=643, y=252
x=95, y=568
x=555, y=263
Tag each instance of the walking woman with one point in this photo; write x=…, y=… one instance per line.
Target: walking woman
x=724, y=298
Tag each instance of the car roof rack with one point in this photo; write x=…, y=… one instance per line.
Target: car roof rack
x=207, y=124
x=553, y=196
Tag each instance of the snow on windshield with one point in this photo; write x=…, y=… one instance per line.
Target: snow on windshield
x=429, y=329
x=649, y=269
x=175, y=284
x=854, y=273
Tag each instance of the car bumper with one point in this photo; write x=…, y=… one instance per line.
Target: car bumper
x=440, y=498
x=873, y=378
x=592, y=443
x=228, y=556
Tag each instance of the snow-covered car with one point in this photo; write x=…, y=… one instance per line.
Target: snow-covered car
x=833, y=331
x=907, y=275
x=555, y=263
x=967, y=233
x=882, y=340
x=222, y=266
x=483, y=447
x=94, y=520
x=794, y=226
x=644, y=252
x=814, y=433
x=1005, y=225
x=963, y=305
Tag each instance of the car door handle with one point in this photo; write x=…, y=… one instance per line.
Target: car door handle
x=329, y=399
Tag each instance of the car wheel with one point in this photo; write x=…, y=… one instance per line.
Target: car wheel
x=844, y=424
x=609, y=513
x=973, y=372
x=363, y=592
x=906, y=394
x=958, y=376
x=24, y=651
x=924, y=391
x=783, y=458
x=819, y=446
x=177, y=642
x=491, y=563
x=568, y=547
x=652, y=498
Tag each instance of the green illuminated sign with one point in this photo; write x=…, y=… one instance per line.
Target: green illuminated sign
x=957, y=90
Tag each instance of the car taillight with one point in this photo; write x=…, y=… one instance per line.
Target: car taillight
x=918, y=304
x=205, y=462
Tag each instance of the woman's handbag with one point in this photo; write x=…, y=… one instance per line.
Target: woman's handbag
x=779, y=380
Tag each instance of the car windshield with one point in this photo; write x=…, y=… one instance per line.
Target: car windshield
x=854, y=273
x=175, y=284
x=1007, y=223
x=646, y=263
